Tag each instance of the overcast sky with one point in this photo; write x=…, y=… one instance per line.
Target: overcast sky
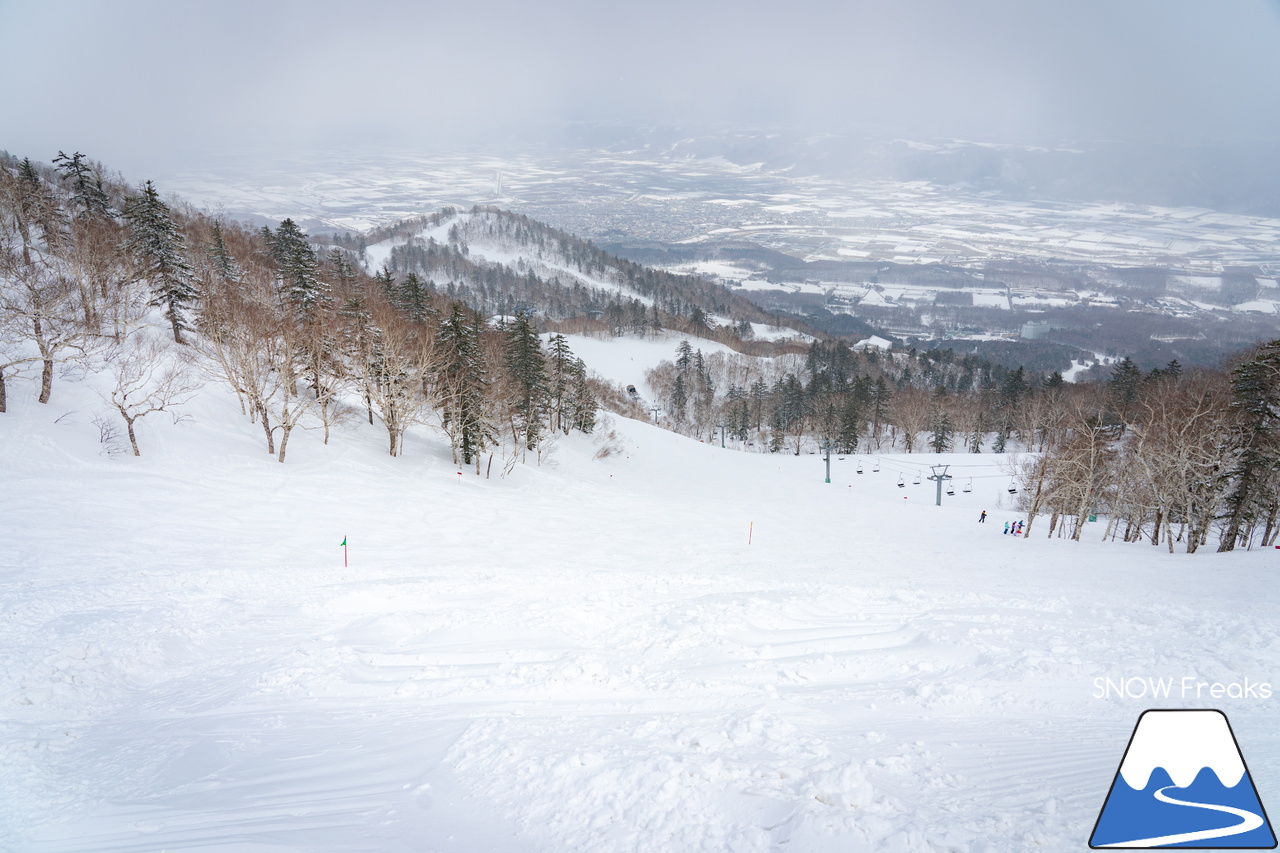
x=142, y=82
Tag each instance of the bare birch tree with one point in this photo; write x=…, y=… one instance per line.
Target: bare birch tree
x=148, y=377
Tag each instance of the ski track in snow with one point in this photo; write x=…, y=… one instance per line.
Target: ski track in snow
x=585, y=656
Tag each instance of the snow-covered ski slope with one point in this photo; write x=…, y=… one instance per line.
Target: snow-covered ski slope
x=546, y=261
x=493, y=239
x=587, y=655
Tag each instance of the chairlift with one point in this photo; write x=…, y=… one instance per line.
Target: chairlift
x=916, y=481
x=859, y=467
x=875, y=469
x=951, y=489
x=968, y=487
x=1013, y=487
x=902, y=483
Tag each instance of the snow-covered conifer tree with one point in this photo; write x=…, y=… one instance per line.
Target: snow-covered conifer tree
x=299, y=270
x=224, y=266
x=679, y=398
x=528, y=370
x=412, y=299
x=85, y=180
x=559, y=363
x=156, y=245
x=943, y=432
x=461, y=386
x=584, y=403
x=1255, y=451
x=850, y=425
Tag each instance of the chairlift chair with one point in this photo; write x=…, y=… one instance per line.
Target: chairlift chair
x=916, y=481
x=951, y=490
x=859, y=467
x=968, y=487
x=902, y=483
x=1013, y=487
x=875, y=469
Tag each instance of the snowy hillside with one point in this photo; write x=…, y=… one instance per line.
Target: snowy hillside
x=644, y=644
x=500, y=262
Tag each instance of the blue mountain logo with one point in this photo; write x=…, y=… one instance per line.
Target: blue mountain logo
x=1183, y=783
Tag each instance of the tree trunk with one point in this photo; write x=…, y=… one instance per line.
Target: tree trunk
x=1271, y=523
x=284, y=440
x=266, y=427
x=1034, y=510
x=46, y=377
x=128, y=425
x=1193, y=542
x=1081, y=514
x=2, y=393
x=128, y=428
x=46, y=380
x=173, y=320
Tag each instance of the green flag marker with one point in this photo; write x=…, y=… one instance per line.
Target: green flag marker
x=344, y=540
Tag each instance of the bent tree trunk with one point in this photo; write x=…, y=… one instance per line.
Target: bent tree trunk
x=285, y=429
x=266, y=428
x=128, y=423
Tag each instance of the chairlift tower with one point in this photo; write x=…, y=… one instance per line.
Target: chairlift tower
x=826, y=450
x=939, y=474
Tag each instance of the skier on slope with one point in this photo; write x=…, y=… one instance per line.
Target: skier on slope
x=982, y=519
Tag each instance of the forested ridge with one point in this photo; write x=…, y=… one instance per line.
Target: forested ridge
x=499, y=262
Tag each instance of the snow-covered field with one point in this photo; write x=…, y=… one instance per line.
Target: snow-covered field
x=672, y=648
x=664, y=194
x=626, y=360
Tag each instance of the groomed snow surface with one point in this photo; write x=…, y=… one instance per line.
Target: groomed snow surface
x=586, y=655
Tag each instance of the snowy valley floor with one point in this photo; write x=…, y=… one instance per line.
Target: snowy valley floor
x=582, y=656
